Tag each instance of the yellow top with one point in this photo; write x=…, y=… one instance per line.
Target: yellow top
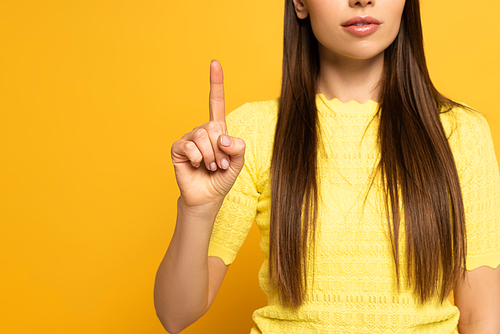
x=354, y=282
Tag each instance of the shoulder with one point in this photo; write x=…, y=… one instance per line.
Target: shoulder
x=468, y=132
x=255, y=123
x=255, y=110
x=253, y=119
x=464, y=119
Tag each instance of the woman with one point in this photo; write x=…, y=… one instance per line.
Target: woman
x=375, y=195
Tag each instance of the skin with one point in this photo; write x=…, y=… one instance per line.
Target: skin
x=350, y=69
x=351, y=66
x=478, y=299
x=207, y=161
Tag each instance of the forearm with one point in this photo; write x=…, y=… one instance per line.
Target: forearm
x=181, y=286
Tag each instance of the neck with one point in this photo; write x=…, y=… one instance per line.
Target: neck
x=349, y=79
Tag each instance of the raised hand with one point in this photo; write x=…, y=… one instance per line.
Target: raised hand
x=207, y=160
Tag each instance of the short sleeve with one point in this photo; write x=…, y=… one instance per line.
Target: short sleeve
x=480, y=182
x=238, y=211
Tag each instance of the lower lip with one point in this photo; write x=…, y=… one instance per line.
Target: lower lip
x=362, y=30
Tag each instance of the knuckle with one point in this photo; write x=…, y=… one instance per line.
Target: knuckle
x=213, y=126
x=176, y=145
x=200, y=134
x=241, y=143
x=189, y=146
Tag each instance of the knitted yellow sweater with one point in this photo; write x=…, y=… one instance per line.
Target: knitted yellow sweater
x=354, y=289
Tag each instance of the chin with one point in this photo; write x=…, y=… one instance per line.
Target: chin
x=363, y=53
x=356, y=51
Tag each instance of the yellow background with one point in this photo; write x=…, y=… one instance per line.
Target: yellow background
x=93, y=94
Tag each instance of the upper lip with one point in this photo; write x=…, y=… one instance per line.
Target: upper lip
x=361, y=19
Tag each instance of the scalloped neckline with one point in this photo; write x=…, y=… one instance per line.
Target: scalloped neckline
x=351, y=107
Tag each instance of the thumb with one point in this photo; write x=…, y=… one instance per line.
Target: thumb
x=235, y=148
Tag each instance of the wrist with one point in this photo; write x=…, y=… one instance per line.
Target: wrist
x=202, y=211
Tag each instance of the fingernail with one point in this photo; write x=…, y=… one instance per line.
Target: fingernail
x=198, y=165
x=224, y=163
x=213, y=166
x=225, y=141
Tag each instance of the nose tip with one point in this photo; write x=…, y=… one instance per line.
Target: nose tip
x=361, y=3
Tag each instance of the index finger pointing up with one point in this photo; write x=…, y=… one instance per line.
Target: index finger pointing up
x=216, y=98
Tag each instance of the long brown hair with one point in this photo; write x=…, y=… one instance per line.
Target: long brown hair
x=423, y=175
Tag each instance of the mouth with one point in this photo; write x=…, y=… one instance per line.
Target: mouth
x=361, y=21
x=361, y=25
